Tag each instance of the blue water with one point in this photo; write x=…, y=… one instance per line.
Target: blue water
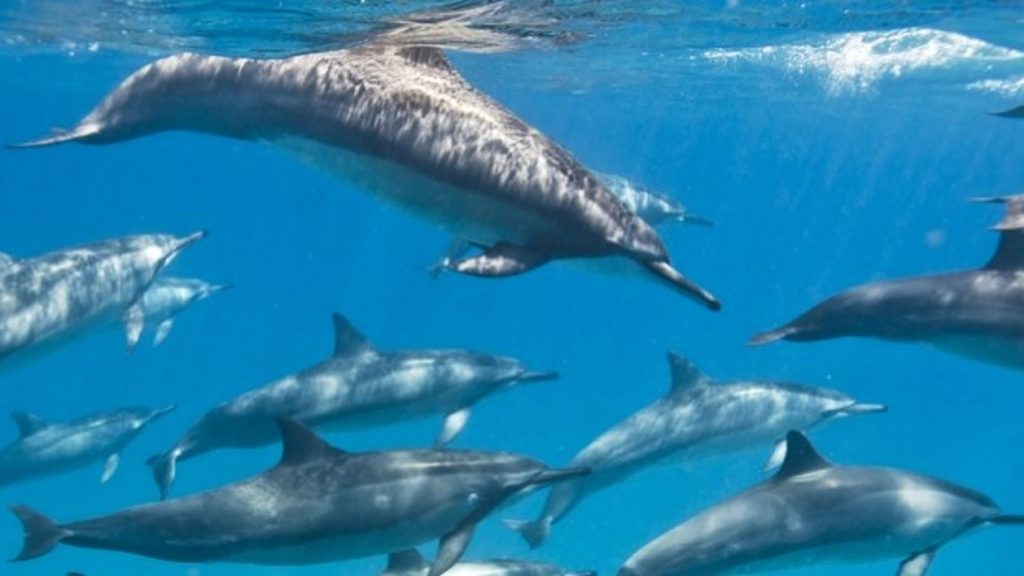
x=831, y=145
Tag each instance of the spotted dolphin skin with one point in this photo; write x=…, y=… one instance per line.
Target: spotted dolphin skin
x=168, y=297
x=44, y=449
x=698, y=417
x=411, y=563
x=975, y=313
x=319, y=504
x=402, y=124
x=358, y=386
x=813, y=512
x=49, y=298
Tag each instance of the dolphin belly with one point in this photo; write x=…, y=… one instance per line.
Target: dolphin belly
x=1007, y=352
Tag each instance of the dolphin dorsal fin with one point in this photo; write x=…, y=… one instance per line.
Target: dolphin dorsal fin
x=299, y=444
x=405, y=562
x=684, y=373
x=28, y=424
x=347, y=340
x=427, y=55
x=1009, y=254
x=801, y=457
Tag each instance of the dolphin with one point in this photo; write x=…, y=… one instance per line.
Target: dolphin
x=168, y=297
x=1017, y=112
x=697, y=417
x=50, y=298
x=974, y=313
x=653, y=207
x=411, y=563
x=359, y=386
x=813, y=512
x=44, y=449
x=401, y=123
x=318, y=504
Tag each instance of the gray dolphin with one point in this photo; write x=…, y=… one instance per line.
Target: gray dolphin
x=359, y=386
x=319, y=504
x=411, y=563
x=168, y=297
x=698, y=417
x=653, y=207
x=50, y=298
x=1017, y=112
x=814, y=512
x=403, y=124
x=974, y=313
x=43, y=449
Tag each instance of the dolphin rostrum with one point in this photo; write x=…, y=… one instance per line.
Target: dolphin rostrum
x=318, y=504
x=49, y=298
x=411, y=563
x=43, y=449
x=974, y=313
x=813, y=512
x=168, y=297
x=358, y=386
x=697, y=417
x=402, y=124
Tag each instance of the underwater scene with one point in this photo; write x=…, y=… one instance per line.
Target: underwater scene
x=531, y=288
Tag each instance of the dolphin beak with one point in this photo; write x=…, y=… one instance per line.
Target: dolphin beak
x=860, y=408
x=190, y=240
x=681, y=284
x=218, y=288
x=530, y=376
x=162, y=411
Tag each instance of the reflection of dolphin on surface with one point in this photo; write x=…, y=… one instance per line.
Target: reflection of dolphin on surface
x=403, y=124
x=813, y=512
x=974, y=313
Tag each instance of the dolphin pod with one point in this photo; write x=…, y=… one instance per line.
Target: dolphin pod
x=698, y=417
x=974, y=313
x=404, y=125
x=359, y=386
x=318, y=504
x=814, y=512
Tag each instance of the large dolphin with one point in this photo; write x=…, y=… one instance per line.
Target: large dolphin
x=358, y=386
x=319, y=504
x=168, y=297
x=49, y=298
x=403, y=124
x=653, y=207
x=411, y=563
x=698, y=417
x=43, y=449
x=975, y=313
x=814, y=512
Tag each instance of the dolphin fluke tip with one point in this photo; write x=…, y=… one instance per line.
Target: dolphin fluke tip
x=771, y=336
x=61, y=136
x=535, y=532
x=41, y=533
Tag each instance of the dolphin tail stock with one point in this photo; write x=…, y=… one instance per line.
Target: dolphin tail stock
x=80, y=132
x=665, y=272
x=1008, y=520
x=164, y=467
x=41, y=533
x=762, y=338
x=535, y=532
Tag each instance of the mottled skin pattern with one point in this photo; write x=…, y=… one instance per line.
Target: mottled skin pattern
x=403, y=124
x=318, y=505
x=826, y=514
x=697, y=418
x=63, y=292
x=57, y=448
x=360, y=386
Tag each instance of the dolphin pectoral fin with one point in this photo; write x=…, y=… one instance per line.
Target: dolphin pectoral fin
x=917, y=565
x=453, y=425
x=763, y=338
x=453, y=545
x=134, y=321
x=456, y=250
x=405, y=562
x=502, y=259
x=162, y=330
x=163, y=467
x=777, y=458
x=535, y=532
x=675, y=280
x=110, y=467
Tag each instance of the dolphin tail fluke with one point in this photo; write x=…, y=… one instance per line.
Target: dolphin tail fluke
x=664, y=271
x=535, y=532
x=1009, y=519
x=80, y=132
x=41, y=533
x=771, y=336
x=163, y=468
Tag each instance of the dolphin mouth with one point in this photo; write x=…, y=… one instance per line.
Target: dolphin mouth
x=537, y=376
x=863, y=408
x=191, y=239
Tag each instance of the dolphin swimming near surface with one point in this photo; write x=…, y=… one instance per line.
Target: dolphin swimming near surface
x=403, y=124
x=359, y=386
x=698, y=417
x=411, y=563
x=168, y=297
x=49, y=298
x=43, y=449
x=318, y=504
x=974, y=313
x=813, y=512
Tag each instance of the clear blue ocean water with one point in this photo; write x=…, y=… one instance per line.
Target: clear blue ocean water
x=831, y=143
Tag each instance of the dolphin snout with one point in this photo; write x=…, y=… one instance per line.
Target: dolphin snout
x=164, y=410
x=191, y=239
x=534, y=376
x=861, y=408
